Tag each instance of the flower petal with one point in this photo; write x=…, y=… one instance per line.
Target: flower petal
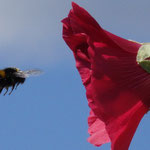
x=97, y=130
x=117, y=88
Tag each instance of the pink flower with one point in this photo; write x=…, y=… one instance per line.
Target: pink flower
x=116, y=81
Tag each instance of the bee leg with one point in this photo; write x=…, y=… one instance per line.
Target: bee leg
x=1, y=89
x=17, y=85
x=12, y=89
x=6, y=91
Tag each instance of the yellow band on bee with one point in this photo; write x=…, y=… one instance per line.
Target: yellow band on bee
x=17, y=69
x=2, y=73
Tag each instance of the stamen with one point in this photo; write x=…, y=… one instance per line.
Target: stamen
x=143, y=56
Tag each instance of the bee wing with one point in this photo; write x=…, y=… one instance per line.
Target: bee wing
x=34, y=72
x=28, y=73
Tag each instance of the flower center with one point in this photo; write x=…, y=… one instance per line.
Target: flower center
x=143, y=56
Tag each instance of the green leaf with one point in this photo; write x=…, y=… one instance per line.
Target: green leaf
x=145, y=64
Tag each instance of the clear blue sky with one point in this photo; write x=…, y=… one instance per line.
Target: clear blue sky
x=50, y=112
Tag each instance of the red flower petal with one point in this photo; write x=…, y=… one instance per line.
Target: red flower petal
x=117, y=88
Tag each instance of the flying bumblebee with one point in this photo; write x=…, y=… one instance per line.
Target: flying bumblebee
x=12, y=77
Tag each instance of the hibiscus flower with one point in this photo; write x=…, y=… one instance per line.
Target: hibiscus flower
x=115, y=73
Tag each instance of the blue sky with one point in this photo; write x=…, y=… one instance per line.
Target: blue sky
x=50, y=111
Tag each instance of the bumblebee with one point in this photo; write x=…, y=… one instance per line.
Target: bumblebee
x=12, y=77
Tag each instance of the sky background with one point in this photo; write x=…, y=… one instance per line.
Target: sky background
x=49, y=112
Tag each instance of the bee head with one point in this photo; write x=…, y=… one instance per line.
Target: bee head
x=9, y=71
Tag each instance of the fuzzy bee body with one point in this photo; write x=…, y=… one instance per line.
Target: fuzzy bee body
x=12, y=77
